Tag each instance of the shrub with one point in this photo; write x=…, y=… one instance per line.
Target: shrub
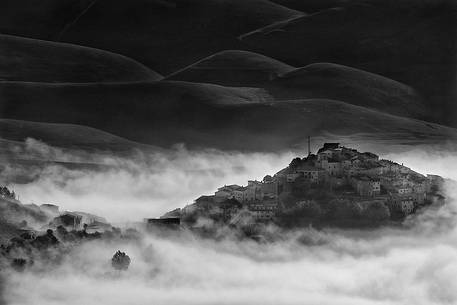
x=120, y=261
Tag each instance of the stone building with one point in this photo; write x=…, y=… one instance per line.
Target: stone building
x=366, y=186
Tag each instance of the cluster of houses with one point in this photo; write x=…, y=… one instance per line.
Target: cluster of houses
x=75, y=220
x=353, y=175
x=6, y=193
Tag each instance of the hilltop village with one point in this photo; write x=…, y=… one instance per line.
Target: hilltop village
x=337, y=185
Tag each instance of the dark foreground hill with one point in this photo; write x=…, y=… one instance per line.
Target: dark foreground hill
x=319, y=80
x=201, y=115
x=32, y=60
x=168, y=35
x=412, y=44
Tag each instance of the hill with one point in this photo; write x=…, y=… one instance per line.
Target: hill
x=168, y=35
x=312, y=6
x=60, y=135
x=32, y=60
x=202, y=115
x=318, y=80
x=361, y=36
x=354, y=86
x=233, y=68
x=42, y=19
x=143, y=112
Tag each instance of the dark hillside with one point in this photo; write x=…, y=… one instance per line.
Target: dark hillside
x=169, y=35
x=357, y=87
x=165, y=113
x=42, y=19
x=415, y=45
x=32, y=60
x=233, y=68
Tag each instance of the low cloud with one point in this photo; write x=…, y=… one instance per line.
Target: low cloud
x=385, y=266
x=414, y=264
x=143, y=184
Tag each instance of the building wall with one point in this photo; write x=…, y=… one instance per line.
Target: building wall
x=375, y=171
x=263, y=211
x=269, y=189
x=403, y=191
x=404, y=204
x=222, y=194
x=238, y=195
x=293, y=177
x=366, y=187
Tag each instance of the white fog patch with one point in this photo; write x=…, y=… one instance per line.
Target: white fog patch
x=385, y=266
x=150, y=184
x=142, y=185
x=414, y=264
x=429, y=160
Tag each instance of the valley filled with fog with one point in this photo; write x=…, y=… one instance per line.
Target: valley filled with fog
x=413, y=263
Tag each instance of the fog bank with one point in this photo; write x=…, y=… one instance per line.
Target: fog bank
x=415, y=264
x=385, y=266
x=143, y=184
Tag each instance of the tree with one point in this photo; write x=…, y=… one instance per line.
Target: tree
x=310, y=209
x=295, y=163
x=343, y=209
x=19, y=264
x=376, y=211
x=120, y=261
x=267, y=178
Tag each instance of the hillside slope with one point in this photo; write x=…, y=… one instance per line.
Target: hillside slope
x=312, y=6
x=61, y=135
x=318, y=80
x=233, y=68
x=141, y=112
x=354, y=86
x=168, y=35
x=202, y=115
x=42, y=19
x=382, y=39
x=32, y=60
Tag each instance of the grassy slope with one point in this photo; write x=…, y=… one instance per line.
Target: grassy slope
x=233, y=68
x=168, y=35
x=165, y=113
x=61, y=135
x=415, y=45
x=311, y=6
x=23, y=59
x=138, y=111
x=319, y=80
x=42, y=19
x=357, y=87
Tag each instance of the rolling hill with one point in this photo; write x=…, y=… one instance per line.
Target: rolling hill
x=32, y=60
x=415, y=45
x=312, y=6
x=202, y=115
x=370, y=66
x=354, y=86
x=233, y=68
x=41, y=19
x=318, y=80
x=171, y=34
x=143, y=112
x=61, y=135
